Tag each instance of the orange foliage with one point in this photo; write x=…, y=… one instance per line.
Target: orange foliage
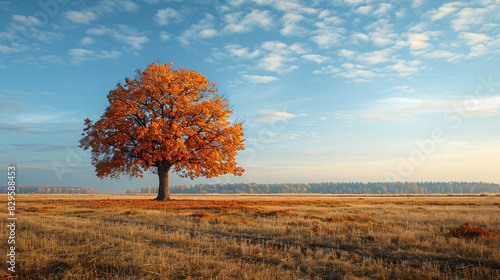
x=468, y=232
x=164, y=118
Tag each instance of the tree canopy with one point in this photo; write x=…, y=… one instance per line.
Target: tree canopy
x=165, y=119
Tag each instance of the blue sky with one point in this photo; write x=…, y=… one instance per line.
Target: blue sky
x=341, y=90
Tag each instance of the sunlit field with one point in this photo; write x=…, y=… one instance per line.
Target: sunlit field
x=256, y=237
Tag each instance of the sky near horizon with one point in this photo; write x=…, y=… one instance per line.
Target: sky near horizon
x=340, y=90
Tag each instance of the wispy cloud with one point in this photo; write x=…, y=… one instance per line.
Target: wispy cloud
x=404, y=108
x=469, y=17
x=237, y=23
x=80, y=55
x=6, y=49
x=241, y=52
x=164, y=16
x=87, y=41
x=121, y=33
x=202, y=30
x=81, y=17
x=291, y=24
x=259, y=79
x=315, y=57
x=328, y=33
x=273, y=116
x=280, y=56
x=444, y=10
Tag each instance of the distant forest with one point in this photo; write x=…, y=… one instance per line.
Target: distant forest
x=334, y=188
x=45, y=189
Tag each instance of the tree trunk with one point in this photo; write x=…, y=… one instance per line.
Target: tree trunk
x=163, y=192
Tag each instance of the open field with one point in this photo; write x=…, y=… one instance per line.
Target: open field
x=255, y=237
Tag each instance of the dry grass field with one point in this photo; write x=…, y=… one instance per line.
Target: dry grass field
x=255, y=237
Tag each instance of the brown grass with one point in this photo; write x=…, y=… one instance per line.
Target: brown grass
x=256, y=237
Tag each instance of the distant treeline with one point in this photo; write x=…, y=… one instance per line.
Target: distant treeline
x=334, y=188
x=45, y=189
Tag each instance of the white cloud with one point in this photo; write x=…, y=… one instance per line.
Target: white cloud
x=327, y=39
x=329, y=33
x=444, y=10
x=163, y=16
x=382, y=33
x=358, y=75
x=114, y=6
x=347, y=53
x=323, y=118
x=330, y=69
x=358, y=39
x=467, y=18
x=129, y=6
x=478, y=43
x=87, y=41
x=383, y=8
x=401, y=13
x=291, y=24
x=274, y=62
x=164, y=36
x=478, y=50
x=80, y=52
x=121, y=33
x=242, y=52
x=282, y=48
x=279, y=56
x=25, y=20
x=101, y=30
x=418, y=41
x=81, y=17
x=417, y=3
x=357, y=2
x=203, y=29
x=439, y=54
x=403, y=68
x=259, y=79
x=5, y=49
x=389, y=117
x=315, y=57
x=374, y=57
x=399, y=108
x=419, y=27
x=475, y=38
x=291, y=6
x=273, y=116
x=208, y=33
x=404, y=89
x=364, y=9
x=238, y=24
x=79, y=55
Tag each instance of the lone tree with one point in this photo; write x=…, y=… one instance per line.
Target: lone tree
x=165, y=119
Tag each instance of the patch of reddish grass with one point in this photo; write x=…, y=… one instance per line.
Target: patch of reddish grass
x=321, y=230
x=201, y=215
x=469, y=232
x=383, y=226
x=268, y=213
x=84, y=211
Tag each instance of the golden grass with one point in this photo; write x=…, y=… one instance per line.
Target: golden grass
x=255, y=237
